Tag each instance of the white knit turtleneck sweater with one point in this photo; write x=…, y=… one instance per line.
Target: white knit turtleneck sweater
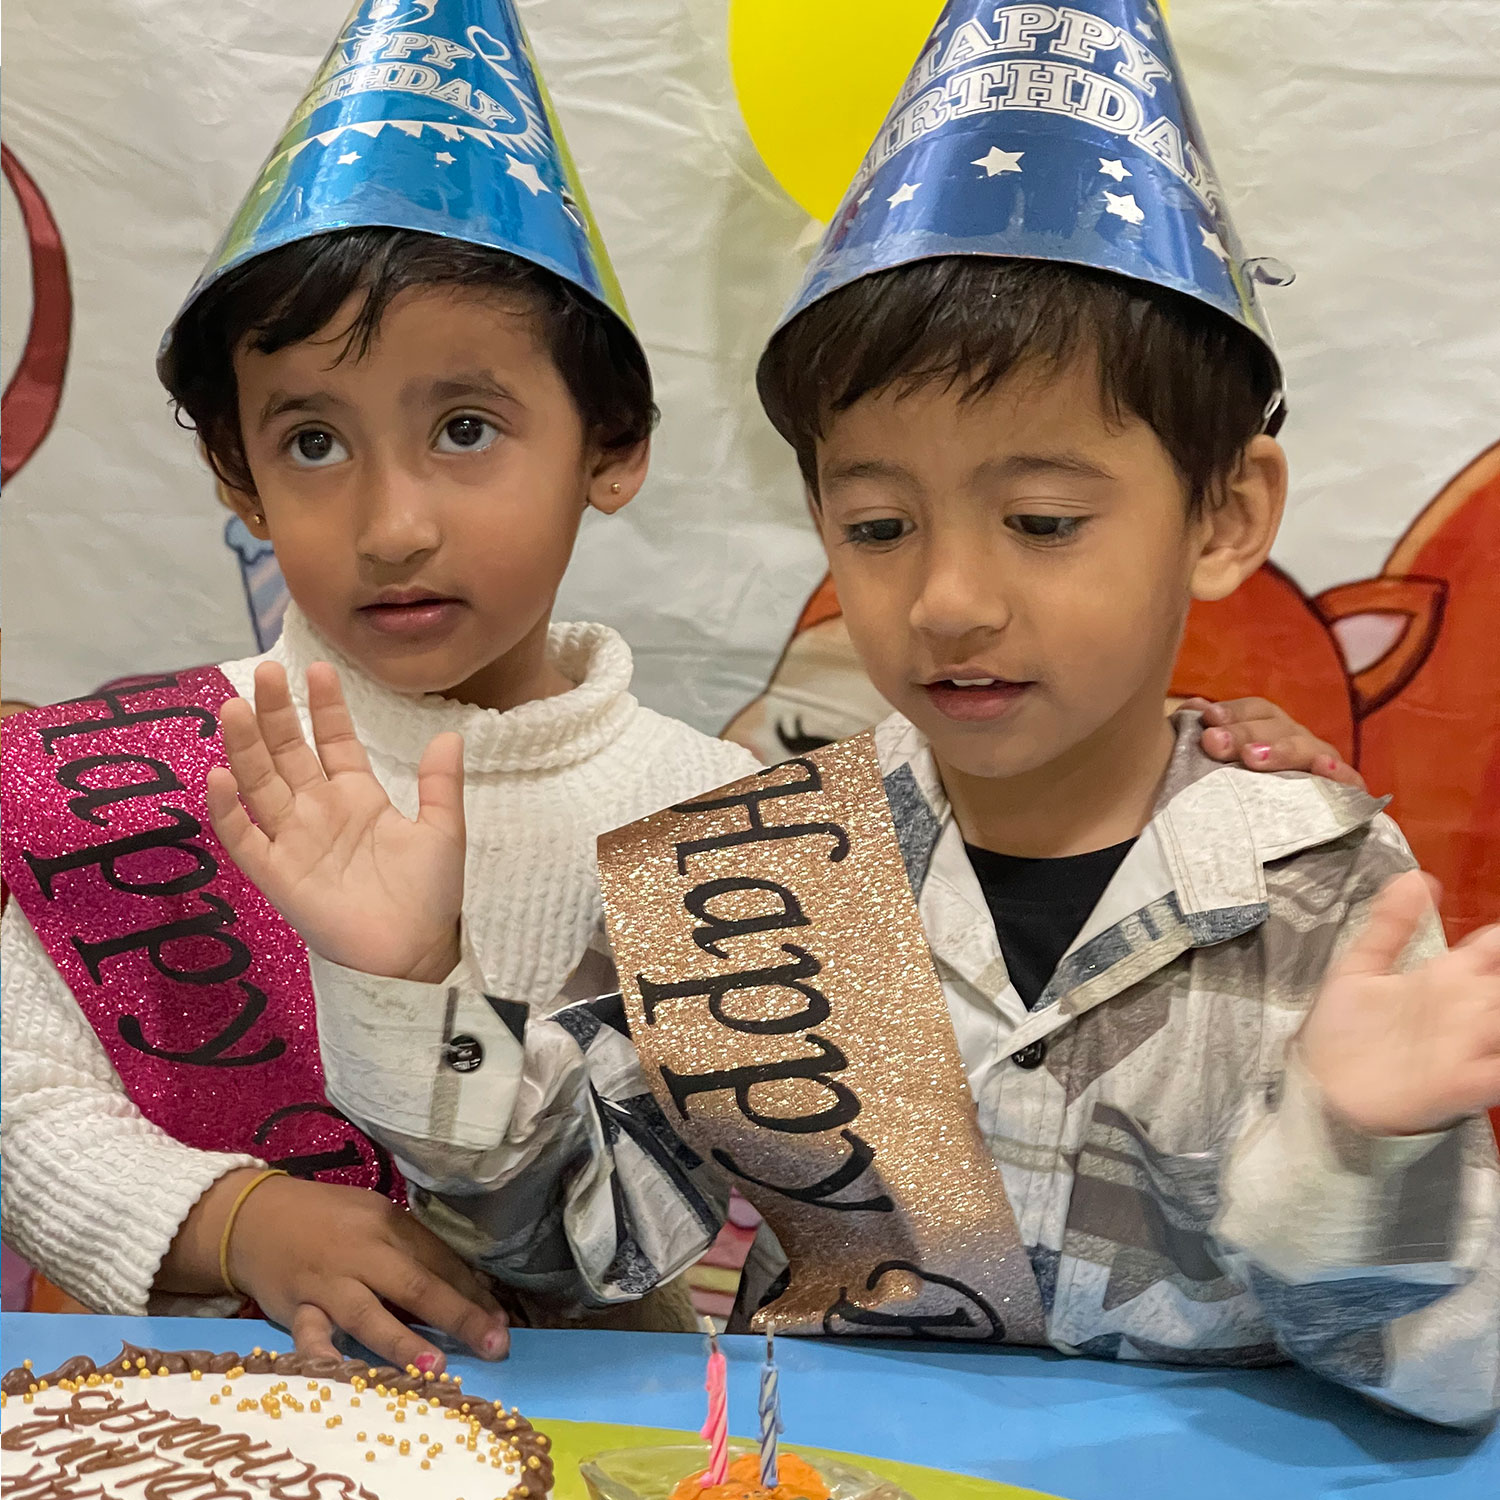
x=92, y=1192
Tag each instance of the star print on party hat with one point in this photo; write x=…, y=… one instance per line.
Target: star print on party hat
x=428, y=115
x=1049, y=132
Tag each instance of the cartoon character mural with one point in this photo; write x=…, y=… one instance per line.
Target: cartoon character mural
x=818, y=691
x=265, y=589
x=28, y=409
x=34, y=391
x=1399, y=671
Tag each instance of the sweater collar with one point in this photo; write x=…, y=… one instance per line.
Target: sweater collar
x=539, y=736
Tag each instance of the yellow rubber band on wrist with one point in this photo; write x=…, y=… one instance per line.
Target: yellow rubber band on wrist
x=234, y=1213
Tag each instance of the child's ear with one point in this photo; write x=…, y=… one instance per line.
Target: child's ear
x=247, y=508
x=618, y=476
x=1238, y=530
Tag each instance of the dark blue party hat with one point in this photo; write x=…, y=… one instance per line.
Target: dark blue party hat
x=1050, y=132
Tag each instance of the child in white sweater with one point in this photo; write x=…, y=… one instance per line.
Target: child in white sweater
x=416, y=411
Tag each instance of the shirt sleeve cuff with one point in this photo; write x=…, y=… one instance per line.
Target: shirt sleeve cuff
x=437, y=1062
x=1319, y=1134
x=1307, y=1194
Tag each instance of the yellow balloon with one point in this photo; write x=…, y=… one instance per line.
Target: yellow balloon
x=816, y=78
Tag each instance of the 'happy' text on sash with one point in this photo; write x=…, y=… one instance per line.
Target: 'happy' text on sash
x=782, y=997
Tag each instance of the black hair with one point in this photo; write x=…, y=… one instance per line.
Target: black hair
x=1202, y=383
x=291, y=293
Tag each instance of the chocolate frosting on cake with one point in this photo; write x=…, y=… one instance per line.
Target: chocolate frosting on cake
x=196, y=1438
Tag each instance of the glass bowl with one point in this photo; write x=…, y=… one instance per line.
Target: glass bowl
x=652, y=1473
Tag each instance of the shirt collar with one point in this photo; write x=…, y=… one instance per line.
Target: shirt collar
x=1218, y=825
x=1195, y=877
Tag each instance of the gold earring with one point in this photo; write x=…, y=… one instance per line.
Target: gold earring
x=259, y=519
x=614, y=489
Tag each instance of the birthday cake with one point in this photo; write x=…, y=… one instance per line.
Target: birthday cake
x=198, y=1426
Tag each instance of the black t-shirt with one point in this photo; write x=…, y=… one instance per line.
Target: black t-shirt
x=1040, y=905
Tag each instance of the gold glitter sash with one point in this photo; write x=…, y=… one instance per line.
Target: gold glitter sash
x=782, y=997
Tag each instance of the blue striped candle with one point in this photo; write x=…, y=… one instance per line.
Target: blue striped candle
x=770, y=1416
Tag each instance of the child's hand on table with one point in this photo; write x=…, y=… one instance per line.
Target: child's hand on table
x=1257, y=734
x=1403, y=1054
x=317, y=1257
x=365, y=886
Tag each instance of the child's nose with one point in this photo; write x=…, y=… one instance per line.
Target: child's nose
x=398, y=523
x=961, y=591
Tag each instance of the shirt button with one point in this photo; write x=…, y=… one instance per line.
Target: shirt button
x=463, y=1054
x=1030, y=1056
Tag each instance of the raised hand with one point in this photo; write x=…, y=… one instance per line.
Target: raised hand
x=364, y=886
x=1262, y=737
x=1401, y=1054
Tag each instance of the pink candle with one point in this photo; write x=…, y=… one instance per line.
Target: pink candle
x=716, y=1428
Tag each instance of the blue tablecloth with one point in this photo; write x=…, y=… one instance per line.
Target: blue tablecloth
x=1082, y=1429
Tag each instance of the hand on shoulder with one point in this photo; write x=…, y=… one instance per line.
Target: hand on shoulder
x=1261, y=737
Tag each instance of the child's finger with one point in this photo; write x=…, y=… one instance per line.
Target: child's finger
x=1481, y=950
x=442, y=1261
x=408, y=1284
x=1334, y=769
x=312, y=1330
x=281, y=729
x=1394, y=918
x=339, y=748
x=261, y=788
x=440, y=785
x=1482, y=1086
x=1219, y=744
x=357, y=1310
x=1261, y=746
x=1229, y=712
x=245, y=844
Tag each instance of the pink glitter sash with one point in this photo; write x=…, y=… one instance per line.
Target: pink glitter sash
x=197, y=987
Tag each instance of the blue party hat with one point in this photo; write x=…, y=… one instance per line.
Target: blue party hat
x=428, y=115
x=1049, y=132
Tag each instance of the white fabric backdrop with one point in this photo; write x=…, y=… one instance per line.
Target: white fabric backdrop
x=1356, y=137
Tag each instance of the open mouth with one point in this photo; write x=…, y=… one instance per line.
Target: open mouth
x=974, y=699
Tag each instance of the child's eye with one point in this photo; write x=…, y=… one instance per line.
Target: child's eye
x=873, y=533
x=467, y=434
x=1046, y=528
x=315, y=448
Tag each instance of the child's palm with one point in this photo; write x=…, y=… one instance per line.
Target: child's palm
x=363, y=885
x=1401, y=1054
